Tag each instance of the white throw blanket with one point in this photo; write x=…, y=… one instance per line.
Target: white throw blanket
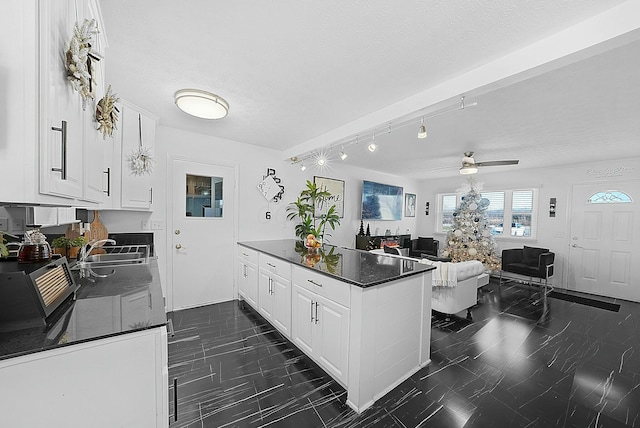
x=444, y=274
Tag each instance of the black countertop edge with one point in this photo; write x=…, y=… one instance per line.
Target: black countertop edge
x=77, y=342
x=363, y=264
x=136, y=292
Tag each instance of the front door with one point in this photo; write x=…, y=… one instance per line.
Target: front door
x=603, y=256
x=203, y=233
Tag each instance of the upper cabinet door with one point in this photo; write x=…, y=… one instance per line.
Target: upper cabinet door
x=61, y=112
x=96, y=175
x=138, y=132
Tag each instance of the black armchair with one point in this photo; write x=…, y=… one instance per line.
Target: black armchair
x=528, y=261
x=420, y=246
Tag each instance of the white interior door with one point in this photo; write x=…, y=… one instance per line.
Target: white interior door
x=603, y=255
x=203, y=241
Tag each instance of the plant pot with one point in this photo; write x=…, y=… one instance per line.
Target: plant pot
x=61, y=251
x=73, y=253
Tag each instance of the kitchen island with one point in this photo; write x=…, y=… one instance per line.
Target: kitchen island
x=100, y=361
x=364, y=318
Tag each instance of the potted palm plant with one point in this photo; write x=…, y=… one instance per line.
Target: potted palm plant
x=312, y=226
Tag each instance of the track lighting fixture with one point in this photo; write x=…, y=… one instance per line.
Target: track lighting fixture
x=343, y=155
x=422, y=131
x=372, y=147
x=302, y=167
x=320, y=161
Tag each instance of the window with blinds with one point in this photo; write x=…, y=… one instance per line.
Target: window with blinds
x=510, y=214
x=449, y=203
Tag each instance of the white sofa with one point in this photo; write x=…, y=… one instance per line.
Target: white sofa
x=454, y=285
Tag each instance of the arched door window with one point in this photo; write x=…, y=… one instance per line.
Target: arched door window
x=610, y=197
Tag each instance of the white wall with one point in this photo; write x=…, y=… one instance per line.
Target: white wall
x=553, y=232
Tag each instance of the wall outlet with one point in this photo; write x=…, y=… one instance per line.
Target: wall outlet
x=4, y=224
x=146, y=225
x=157, y=225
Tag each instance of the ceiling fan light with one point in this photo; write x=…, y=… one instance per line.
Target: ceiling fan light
x=202, y=104
x=468, y=169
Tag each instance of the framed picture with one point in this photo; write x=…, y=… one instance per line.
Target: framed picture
x=336, y=188
x=409, y=205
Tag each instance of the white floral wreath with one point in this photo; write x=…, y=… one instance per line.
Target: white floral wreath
x=107, y=113
x=78, y=59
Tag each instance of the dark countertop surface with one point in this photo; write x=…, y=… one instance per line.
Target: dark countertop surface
x=129, y=300
x=356, y=267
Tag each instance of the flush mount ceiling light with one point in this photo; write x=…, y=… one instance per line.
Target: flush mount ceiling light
x=422, y=131
x=201, y=104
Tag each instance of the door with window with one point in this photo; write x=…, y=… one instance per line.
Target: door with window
x=603, y=256
x=202, y=243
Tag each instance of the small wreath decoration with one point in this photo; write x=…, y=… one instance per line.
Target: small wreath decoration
x=78, y=59
x=107, y=113
x=140, y=160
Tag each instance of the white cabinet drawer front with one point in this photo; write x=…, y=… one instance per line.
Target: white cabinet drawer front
x=248, y=255
x=323, y=285
x=275, y=266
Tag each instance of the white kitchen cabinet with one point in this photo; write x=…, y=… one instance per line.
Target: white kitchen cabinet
x=248, y=276
x=274, y=296
x=119, y=381
x=320, y=325
x=122, y=189
x=45, y=128
x=138, y=130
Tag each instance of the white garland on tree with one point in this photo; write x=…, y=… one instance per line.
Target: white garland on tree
x=78, y=63
x=470, y=237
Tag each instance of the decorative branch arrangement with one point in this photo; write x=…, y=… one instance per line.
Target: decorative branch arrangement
x=107, y=114
x=78, y=59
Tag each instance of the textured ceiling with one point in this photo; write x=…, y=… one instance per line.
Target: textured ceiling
x=295, y=70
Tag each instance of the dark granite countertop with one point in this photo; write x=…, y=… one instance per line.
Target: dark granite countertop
x=356, y=267
x=129, y=300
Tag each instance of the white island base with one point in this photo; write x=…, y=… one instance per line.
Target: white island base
x=390, y=333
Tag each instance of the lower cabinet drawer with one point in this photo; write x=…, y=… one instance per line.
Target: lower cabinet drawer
x=322, y=285
x=276, y=266
x=248, y=255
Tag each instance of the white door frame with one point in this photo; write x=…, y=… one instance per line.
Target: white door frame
x=570, y=212
x=171, y=157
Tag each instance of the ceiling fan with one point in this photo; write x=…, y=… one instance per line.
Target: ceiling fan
x=470, y=166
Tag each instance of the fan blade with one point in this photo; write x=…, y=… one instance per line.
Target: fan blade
x=498, y=163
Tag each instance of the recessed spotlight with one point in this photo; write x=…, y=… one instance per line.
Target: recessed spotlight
x=321, y=161
x=372, y=147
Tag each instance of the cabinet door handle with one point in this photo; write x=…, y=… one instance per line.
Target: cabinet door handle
x=273, y=266
x=175, y=399
x=317, y=313
x=244, y=270
x=108, y=172
x=314, y=283
x=151, y=195
x=63, y=160
x=312, y=311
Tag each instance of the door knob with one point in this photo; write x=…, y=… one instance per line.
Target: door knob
x=180, y=247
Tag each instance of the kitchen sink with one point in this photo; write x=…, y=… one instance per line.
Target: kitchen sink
x=117, y=258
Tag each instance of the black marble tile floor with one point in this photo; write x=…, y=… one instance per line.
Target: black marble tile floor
x=523, y=361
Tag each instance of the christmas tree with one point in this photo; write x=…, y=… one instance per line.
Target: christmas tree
x=470, y=237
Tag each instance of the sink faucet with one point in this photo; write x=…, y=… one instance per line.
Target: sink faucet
x=85, y=270
x=84, y=253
